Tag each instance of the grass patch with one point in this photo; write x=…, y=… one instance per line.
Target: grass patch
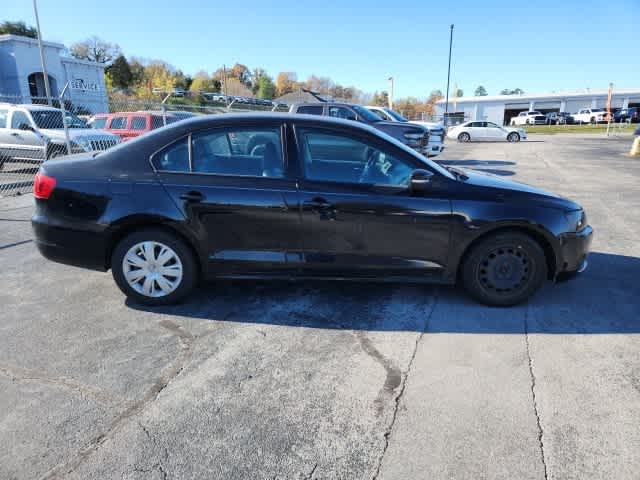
x=586, y=128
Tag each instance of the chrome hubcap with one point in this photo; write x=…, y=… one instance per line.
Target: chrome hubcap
x=152, y=269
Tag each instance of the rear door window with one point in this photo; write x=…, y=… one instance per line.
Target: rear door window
x=245, y=151
x=118, y=123
x=3, y=118
x=99, y=122
x=138, y=123
x=310, y=109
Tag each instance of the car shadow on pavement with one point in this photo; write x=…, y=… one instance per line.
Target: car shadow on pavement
x=603, y=300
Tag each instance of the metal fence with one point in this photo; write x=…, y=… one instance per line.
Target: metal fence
x=35, y=129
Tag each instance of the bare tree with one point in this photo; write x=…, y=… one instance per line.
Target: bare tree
x=96, y=50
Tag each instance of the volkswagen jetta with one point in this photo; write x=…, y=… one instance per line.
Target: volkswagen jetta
x=298, y=196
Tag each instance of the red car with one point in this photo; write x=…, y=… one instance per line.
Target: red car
x=128, y=125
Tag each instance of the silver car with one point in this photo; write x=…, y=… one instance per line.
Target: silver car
x=34, y=133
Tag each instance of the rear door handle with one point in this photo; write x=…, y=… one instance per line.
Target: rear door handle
x=192, y=197
x=317, y=202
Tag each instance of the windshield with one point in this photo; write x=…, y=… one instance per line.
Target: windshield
x=395, y=115
x=597, y=109
x=367, y=115
x=52, y=119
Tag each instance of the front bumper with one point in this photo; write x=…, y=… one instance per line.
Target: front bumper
x=575, y=249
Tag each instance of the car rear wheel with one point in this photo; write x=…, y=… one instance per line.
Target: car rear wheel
x=593, y=120
x=464, y=137
x=504, y=269
x=513, y=137
x=154, y=267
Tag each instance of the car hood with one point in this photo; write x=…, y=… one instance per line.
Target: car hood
x=408, y=127
x=487, y=180
x=88, y=133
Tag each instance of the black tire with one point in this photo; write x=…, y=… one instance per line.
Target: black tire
x=464, y=137
x=190, y=271
x=513, y=137
x=504, y=269
x=593, y=120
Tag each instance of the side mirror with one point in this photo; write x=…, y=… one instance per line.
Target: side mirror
x=420, y=179
x=25, y=126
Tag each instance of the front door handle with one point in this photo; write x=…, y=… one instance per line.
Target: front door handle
x=192, y=196
x=317, y=202
x=14, y=134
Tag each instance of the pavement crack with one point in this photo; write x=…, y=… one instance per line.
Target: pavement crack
x=133, y=409
x=533, y=393
x=313, y=470
x=18, y=374
x=403, y=384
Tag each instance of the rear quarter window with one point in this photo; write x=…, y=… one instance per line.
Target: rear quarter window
x=138, y=123
x=172, y=158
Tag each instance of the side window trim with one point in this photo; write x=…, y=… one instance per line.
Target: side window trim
x=188, y=136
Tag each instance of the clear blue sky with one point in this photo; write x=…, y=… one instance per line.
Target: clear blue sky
x=537, y=45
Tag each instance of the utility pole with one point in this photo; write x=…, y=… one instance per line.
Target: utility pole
x=47, y=89
x=446, y=105
x=390, y=93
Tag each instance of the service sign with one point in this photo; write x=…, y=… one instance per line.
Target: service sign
x=82, y=84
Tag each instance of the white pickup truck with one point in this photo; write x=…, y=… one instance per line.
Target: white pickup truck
x=590, y=115
x=532, y=117
x=436, y=130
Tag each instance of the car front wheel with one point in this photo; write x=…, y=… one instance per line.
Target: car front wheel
x=513, y=137
x=504, y=269
x=154, y=267
x=464, y=137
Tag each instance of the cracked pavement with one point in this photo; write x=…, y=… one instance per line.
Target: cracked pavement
x=316, y=380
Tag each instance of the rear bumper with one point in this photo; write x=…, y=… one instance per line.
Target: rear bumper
x=575, y=249
x=69, y=246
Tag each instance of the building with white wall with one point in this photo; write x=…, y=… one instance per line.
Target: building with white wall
x=501, y=108
x=21, y=76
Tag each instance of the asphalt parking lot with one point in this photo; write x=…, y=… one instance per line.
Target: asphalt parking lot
x=335, y=381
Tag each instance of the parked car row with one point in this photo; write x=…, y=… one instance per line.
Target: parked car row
x=219, y=97
x=584, y=115
x=414, y=136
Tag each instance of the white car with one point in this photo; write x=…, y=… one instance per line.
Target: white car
x=436, y=130
x=590, y=115
x=529, y=118
x=485, y=131
x=34, y=133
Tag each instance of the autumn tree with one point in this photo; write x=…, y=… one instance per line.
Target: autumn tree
x=96, y=50
x=236, y=88
x=242, y=73
x=380, y=99
x=202, y=82
x=286, y=82
x=18, y=28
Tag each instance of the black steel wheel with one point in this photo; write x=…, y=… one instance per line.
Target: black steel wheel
x=504, y=269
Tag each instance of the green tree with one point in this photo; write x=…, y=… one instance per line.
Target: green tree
x=18, y=28
x=458, y=93
x=266, y=87
x=516, y=91
x=96, y=50
x=120, y=73
x=481, y=92
x=380, y=99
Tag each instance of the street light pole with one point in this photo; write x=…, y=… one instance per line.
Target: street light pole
x=42, y=64
x=446, y=105
x=390, y=93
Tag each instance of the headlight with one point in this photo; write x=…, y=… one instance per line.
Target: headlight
x=577, y=219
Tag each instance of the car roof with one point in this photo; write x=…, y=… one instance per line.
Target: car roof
x=29, y=106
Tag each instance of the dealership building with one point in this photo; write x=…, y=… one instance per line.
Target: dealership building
x=22, y=79
x=500, y=109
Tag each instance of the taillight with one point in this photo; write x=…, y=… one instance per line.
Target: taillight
x=43, y=186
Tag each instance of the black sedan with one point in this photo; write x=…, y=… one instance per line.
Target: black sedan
x=283, y=196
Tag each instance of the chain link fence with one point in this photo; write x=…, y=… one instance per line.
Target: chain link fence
x=35, y=129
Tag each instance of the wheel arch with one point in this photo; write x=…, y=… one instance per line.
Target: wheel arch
x=541, y=238
x=135, y=223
